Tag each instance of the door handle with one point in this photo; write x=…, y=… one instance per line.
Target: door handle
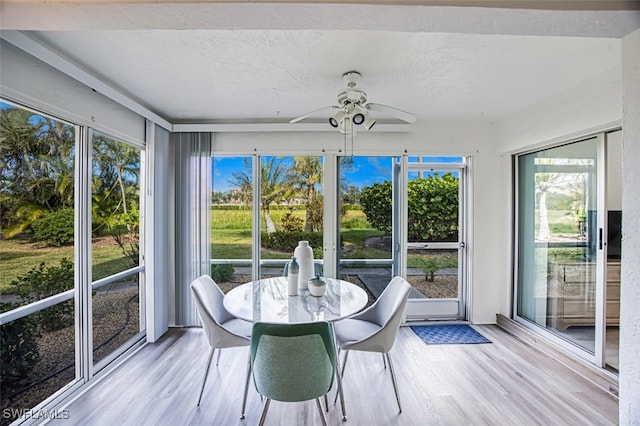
x=462, y=244
x=600, y=234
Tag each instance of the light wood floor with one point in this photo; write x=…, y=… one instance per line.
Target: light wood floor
x=502, y=383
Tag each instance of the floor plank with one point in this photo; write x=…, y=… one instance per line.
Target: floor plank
x=502, y=383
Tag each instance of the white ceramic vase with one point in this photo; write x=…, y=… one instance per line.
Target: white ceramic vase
x=304, y=254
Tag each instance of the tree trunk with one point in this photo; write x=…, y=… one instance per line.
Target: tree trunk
x=271, y=227
x=543, y=232
x=308, y=226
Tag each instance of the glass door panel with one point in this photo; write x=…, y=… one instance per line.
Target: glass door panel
x=291, y=210
x=557, y=235
x=231, y=220
x=117, y=316
x=435, y=247
x=38, y=176
x=365, y=254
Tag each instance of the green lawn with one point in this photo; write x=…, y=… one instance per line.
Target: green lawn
x=17, y=257
x=231, y=236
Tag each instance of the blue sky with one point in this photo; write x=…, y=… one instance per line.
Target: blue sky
x=363, y=171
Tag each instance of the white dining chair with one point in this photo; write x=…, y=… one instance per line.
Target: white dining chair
x=375, y=328
x=222, y=329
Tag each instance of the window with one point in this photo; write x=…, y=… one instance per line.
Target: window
x=44, y=254
x=37, y=179
x=115, y=247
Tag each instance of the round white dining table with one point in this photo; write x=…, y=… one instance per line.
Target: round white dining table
x=268, y=300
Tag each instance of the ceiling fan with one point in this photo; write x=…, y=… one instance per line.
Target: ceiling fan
x=353, y=108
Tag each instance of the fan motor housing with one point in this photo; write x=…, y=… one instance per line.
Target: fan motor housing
x=352, y=96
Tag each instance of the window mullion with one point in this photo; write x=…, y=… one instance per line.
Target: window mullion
x=82, y=264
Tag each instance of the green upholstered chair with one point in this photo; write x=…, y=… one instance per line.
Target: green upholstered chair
x=375, y=328
x=222, y=329
x=292, y=362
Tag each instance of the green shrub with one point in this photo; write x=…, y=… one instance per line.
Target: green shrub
x=41, y=282
x=291, y=223
x=288, y=241
x=432, y=204
x=18, y=351
x=56, y=228
x=430, y=264
x=222, y=273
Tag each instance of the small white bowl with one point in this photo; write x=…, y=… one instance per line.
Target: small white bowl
x=317, y=287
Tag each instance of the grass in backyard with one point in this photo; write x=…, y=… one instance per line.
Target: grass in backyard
x=230, y=235
x=354, y=219
x=353, y=241
x=17, y=257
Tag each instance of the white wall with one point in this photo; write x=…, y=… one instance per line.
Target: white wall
x=591, y=105
x=490, y=282
x=630, y=288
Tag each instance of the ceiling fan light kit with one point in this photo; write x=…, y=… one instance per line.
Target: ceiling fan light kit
x=337, y=119
x=353, y=108
x=368, y=123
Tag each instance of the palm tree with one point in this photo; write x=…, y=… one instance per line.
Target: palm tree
x=272, y=185
x=36, y=167
x=116, y=184
x=305, y=174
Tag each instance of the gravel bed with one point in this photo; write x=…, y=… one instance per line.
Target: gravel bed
x=57, y=348
x=442, y=286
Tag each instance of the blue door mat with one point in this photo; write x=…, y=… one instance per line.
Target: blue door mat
x=460, y=334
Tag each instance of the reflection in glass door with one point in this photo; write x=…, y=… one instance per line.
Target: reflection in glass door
x=434, y=237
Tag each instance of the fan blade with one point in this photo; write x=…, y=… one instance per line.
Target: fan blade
x=394, y=112
x=309, y=114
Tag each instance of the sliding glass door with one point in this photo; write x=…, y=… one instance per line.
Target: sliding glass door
x=566, y=225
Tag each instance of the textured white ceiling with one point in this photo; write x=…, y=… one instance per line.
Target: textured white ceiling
x=263, y=67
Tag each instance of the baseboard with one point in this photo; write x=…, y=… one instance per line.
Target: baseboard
x=598, y=376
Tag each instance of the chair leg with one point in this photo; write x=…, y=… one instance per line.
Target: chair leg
x=206, y=373
x=246, y=387
x=393, y=379
x=344, y=364
x=340, y=391
x=324, y=419
x=218, y=358
x=384, y=361
x=265, y=408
